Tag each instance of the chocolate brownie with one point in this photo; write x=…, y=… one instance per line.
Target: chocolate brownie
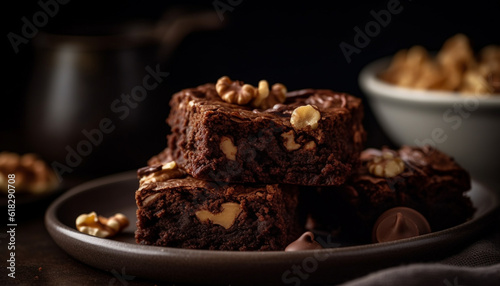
x=313, y=138
x=421, y=178
x=177, y=210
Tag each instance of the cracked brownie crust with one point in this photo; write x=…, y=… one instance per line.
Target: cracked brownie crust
x=219, y=141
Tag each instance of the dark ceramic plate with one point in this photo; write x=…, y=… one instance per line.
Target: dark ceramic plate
x=114, y=194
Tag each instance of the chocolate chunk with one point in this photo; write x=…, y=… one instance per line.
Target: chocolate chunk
x=148, y=170
x=398, y=223
x=304, y=242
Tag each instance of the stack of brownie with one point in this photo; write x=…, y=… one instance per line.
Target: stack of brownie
x=231, y=175
x=246, y=166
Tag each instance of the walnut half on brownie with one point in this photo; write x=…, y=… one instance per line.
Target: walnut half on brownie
x=177, y=210
x=232, y=132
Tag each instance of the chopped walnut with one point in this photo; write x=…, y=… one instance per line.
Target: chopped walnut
x=149, y=199
x=259, y=97
x=33, y=175
x=167, y=172
x=262, y=93
x=227, y=147
x=311, y=145
x=289, y=141
x=304, y=116
x=268, y=98
x=101, y=226
x=387, y=165
x=474, y=82
x=225, y=218
x=235, y=91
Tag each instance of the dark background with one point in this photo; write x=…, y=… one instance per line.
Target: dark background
x=296, y=43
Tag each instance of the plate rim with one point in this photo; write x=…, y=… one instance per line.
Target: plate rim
x=59, y=230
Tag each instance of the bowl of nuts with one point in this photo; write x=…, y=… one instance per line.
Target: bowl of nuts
x=25, y=178
x=449, y=100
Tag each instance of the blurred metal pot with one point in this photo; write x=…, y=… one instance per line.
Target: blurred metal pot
x=87, y=106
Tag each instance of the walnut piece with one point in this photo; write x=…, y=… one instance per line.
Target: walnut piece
x=167, y=172
x=32, y=174
x=304, y=116
x=279, y=92
x=311, y=145
x=149, y=199
x=259, y=97
x=235, y=91
x=262, y=93
x=101, y=226
x=226, y=218
x=386, y=165
x=268, y=98
x=289, y=142
x=227, y=147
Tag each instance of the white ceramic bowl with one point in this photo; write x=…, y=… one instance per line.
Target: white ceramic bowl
x=466, y=127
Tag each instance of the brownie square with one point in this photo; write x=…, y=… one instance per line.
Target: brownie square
x=431, y=183
x=177, y=210
x=219, y=141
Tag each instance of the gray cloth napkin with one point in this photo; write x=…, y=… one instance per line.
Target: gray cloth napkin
x=432, y=274
x=477, y=264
